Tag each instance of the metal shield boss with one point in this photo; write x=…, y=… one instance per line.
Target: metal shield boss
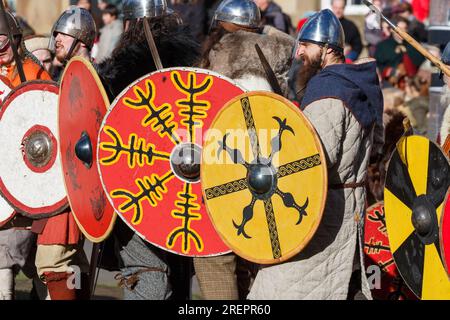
x=264, y=177
x=82, y=105
x=377, y=254
x=149, y=155
x=417, y=181
x=30, y=170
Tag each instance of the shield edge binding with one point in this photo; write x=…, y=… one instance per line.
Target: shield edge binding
x=113, y=105
x=96, y=77
x=308, y=239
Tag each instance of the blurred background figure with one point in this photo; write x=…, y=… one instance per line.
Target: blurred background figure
x=397, y=59
x=416, y=28
x=273, y=15
x=373, y=29
x=101, y=4
x=110, y=34
x=193, y=13
x=353, y=41
x=38, y=46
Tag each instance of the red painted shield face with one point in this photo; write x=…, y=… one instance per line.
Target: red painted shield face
x=149, y=155
x=445, y=234
x=82, y=105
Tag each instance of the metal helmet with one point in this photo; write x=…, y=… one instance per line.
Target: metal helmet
x=13, y=25
x=446, y=54
x=77, y=23
x=136, y=9
x=323, y=28
x=241, y=12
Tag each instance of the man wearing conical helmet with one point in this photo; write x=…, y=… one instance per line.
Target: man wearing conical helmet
x=344, y=103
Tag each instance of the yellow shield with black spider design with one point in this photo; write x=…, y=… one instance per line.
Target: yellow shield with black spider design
x=264, y=177
x=417, y=181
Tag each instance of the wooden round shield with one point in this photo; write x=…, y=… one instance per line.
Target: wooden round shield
x=6, y=212
x=264, y=177
x=82, y=105
x=377, y=253
x=149, y=157
x=30, y=170
x=444, y=233
x=417, y=181
x=5, y=88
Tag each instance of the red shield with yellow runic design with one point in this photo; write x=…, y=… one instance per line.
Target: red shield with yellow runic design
x=149, y=153
x=378, y=255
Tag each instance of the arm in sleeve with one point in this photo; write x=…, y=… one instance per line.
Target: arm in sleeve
x=328, y=118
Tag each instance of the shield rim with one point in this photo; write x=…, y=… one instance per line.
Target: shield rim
x=406, y=136
x=104, y=95
x=113, y=105
x=441, y=234
x=32, y=213
x=313, y=231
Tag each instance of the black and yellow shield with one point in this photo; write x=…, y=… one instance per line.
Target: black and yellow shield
x=264, y=177
x=417, y=180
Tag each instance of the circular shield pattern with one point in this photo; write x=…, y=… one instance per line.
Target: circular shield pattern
x=149, y=154
x=30, y=170
x=264, y=177
x=5, y=88
x=83, y=104
x=378, y=254
x=445, y=234
x=417, y=181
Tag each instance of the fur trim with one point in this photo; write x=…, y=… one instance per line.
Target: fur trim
x=235, y=55
x=254, y=83
x=445, y=128
x=176, y=48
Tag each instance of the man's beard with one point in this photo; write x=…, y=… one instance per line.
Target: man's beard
x=306, y=72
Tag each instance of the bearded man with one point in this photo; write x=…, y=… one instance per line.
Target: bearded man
x=344, y=104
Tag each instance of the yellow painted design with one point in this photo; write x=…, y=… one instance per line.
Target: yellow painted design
x=436, y=283
x=159, y=118
x=192, y=109
x=151, y=189
x=137, y=151
x=398, y=220
x=187, y=210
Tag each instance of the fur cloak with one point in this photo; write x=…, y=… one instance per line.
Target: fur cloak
x=235, y=57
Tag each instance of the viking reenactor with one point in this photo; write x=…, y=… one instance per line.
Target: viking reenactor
x=60, y=245
x=445, y=128
x=234, y=33
x=344, y=103
x=15, y=244
x=144, y=268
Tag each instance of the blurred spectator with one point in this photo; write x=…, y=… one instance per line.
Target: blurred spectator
x=352, y=37
x=193, y=13
x=273, y=15
x=397, y=59
x=416, y=28
x=303, y=20
x=373, y=29
x=38, y=46
x=87, y=4
x=110, y=34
